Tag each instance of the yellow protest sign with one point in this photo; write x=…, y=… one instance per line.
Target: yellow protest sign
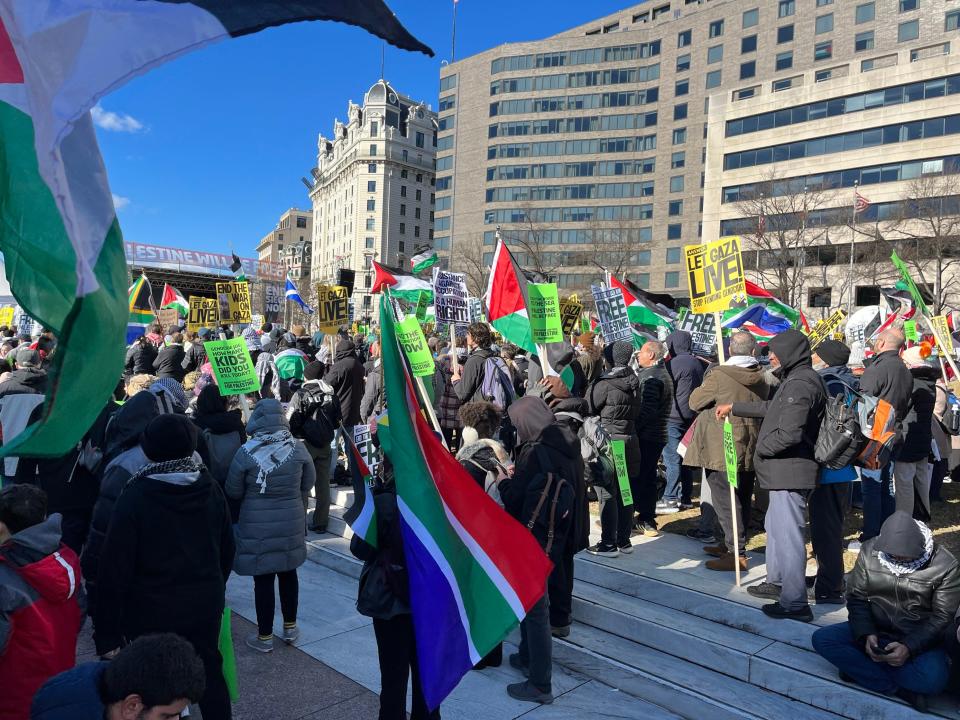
x=825, y=328
x=333, y=309
x=202, y=313
x=6, y=316
x=714, y=274
x=233, y=303
x=941, y=331
x=570, y=310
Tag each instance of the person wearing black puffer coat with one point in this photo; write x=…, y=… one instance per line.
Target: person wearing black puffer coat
x=222, y=433
x=615, y=398
x=345, y=376
x=170, y=360
x=140, y=357
x=911, y=470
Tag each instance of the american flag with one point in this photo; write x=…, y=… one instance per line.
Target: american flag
x=860, y=203
x=761, y=225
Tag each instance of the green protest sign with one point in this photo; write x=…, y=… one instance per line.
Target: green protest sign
x=910, y=330
x=584, y=323
x=423, y=302
x=544, y=313
x=620, y=463
x=414, y=345
x=232, y=366
x=729, y=452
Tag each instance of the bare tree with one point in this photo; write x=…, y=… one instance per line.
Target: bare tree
x=614, y=247
x=529, y=238
x=468, y=258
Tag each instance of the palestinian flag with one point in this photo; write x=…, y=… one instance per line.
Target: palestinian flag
x=140, y=301
x=474, y=571
x=236, y=267
x=506, y=299
x=59, y=233
x=646, y=315
x=361, y=517
x=424, y=261
x=402, y=286
x=763, y=311
x=173, y=299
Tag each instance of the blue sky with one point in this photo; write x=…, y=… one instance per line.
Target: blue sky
x=209, y=149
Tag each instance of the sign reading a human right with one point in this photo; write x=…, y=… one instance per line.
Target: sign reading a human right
x=612, y=314
x=233, y=302
x=714, y=273
x=333, y=307
x=232, y=366
x=450, y=297
x=544, y=313
x=202, y=313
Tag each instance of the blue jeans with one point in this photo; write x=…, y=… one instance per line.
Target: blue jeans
x=926, y=673
x=879, y=502
x=679, y=480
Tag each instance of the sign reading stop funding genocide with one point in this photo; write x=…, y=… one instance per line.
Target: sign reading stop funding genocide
x=414, y=345
x=729, y=452
x=544, y=313
x=619, y=452
x=450, y=297
x=333, y=307
x=232, y=366
x=612, y=314
x=202, y=313
x=715, y=274
x=233, y=303
x=570, y=310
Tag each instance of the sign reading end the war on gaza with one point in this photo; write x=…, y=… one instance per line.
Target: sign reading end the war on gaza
x=714, y=273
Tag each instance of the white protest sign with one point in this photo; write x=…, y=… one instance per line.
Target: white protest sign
x=368, y=451
x=450, y=297
x=703, y=332
x=612, y=314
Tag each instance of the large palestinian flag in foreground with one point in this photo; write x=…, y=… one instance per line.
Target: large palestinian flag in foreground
x=474, y=571
x=58, y=228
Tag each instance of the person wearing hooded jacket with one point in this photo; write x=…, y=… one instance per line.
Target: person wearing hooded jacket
x=271, y=475
x=40, y=611
x=911, y=469
x=167, y=556
x=686, y=373
x=169, y=362
x=221, y=435
x=345, y=376
x=785, y=466
x=468, y=378
x=195, y=356
x=615, y=399
x=140, y=357
x=656, y=398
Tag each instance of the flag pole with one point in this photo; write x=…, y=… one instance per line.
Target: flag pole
x=853, y=244
x=420, y=388
x=453, y=35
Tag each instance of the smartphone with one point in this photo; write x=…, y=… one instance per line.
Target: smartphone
x=882, y=650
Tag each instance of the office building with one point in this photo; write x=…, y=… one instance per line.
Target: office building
x=294, y=227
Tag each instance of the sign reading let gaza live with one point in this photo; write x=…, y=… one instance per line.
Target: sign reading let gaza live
x=333, y=307
x=715, y=274
x=233, y=302
x=202, y=313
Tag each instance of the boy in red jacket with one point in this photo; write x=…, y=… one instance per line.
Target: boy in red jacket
x=40, y=589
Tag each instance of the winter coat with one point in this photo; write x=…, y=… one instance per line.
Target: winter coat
x=194, y=357
x=345, y=376
x=169, y=362
x=71, y=695
x=40, y=613
x=468, y=387
x=656, y=400
x=24, y=381
x=384, y=588
x=446, y=403
x=482, y=457
x=166, y=557
x=372, y=401
x=917, y=428
x=722, y=385
x=686, y=372
x=140, y=357
x=791, y=419
x=270, y=533
x=615, y=398
x=889, y=379
x=940, y=435
x=914, y=609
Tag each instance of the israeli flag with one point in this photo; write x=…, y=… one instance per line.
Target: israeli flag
x=292, y=294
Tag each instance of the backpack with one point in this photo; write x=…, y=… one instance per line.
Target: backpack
x=497, y=384
x=548, y=507
x=598, y=466
x=840, y=440
x=220, y=451
x=880, y=427
x=321, y=413
x=951, y=416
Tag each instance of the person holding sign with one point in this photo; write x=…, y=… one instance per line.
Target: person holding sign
x=615, y=399
x=785, y=466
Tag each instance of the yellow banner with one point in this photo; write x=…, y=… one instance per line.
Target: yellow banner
x=825, y=328
x=941, y=331
x=714, y=274
x=202, y=313
x=6, y=316
x=333, y=309
x=570, y=310
x=233, y=303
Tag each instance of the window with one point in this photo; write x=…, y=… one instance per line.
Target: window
x=785, y=34
x=371, y=185
x=824, y=24
x=908, y=31
x=744, y=93
x=819, y=297
x=675, y=208
x=673, y=255
x=373, y=148
x=671, y=279
x=371, y=205
x=680, y=111
x=403, y=173
x=823, y=51
x=419, y=194
x=682, y=87
x=371, y=223
x=419, y=139
x=714, y=78
x=751, y=18
x=714, y=54
x=865, y=13
x=679, y=136
x=908, y=5
x=416, y=231
x=676, y=183
x=748, y=69
x=368, y=243
x=786, y=8
x=748, y=44
x=784, y=84
x=403, y=210
x=784, y=60
x=684, y=39
x=373, y=129
x=403, y=191
x=716, y=28
x=674, y=231
x=372, y=168
x=823, y=3
x=416, y=213
x=419, y=179
x=683, y=62
x=403, y=229
x=863, y=41
x=678, y=160
x=952, y=21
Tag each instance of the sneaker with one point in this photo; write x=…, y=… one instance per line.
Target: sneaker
x=918, y=701
x=829, y=600
x=648, y=529
x=765, y=590
x=668, y=507
x=604, y=550
x=561, y=631
x=716, y=550
x=707, y=538
x=290, y=634
x=529, y=693
x=684, y=506
x=725, y=562
x=260, y=644
x=778, y=612
x=854, y=546
x=627, y=548
x=517, y=664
